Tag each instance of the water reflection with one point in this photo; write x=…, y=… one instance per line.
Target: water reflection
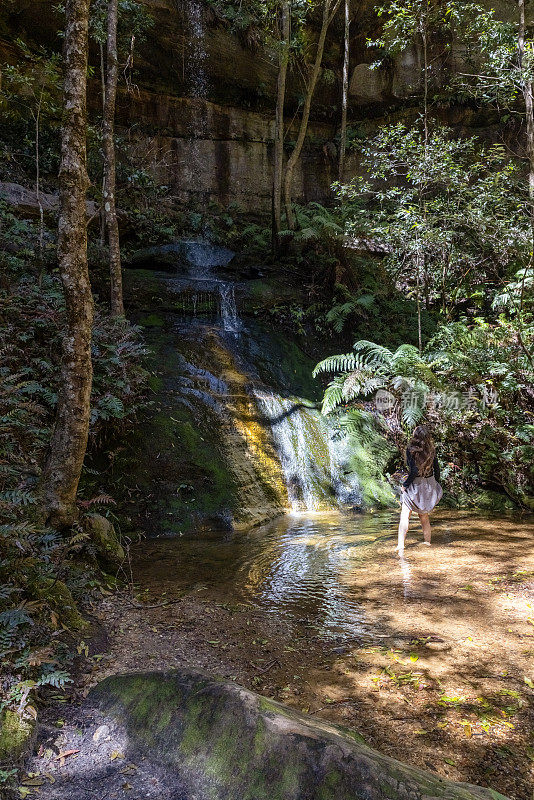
x=339, y=574
x=297, y=565
x=406, y=573
x=304, y=573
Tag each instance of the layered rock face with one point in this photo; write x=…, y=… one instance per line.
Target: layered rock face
x=209, y=152
x=199, y=108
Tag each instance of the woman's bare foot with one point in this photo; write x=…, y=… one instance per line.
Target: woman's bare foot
x=428, y=544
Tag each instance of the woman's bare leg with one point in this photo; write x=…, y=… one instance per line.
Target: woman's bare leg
x=403, y=526
x=427, y=530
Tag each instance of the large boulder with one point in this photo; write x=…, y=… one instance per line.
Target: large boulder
x=25, y=200
x=189, y=255
x=187, y=736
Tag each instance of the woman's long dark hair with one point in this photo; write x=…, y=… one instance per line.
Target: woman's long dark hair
x=423, y=449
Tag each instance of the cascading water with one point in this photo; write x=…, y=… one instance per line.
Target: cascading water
x=202, y=292
x=229, y=316
x=195, y=65
x=315, y=465
x=315, y=462
x=196, y=78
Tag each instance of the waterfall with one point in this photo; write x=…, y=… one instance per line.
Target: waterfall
x=195, y=65
x=201, y=255
x=229, y=316
x=196, y=78
x=316, y=464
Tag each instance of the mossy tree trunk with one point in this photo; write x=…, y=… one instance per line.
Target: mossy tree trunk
x=345, y=92
x=108, y=129
x=279, y=122
x=330, y=8
x=69, y=437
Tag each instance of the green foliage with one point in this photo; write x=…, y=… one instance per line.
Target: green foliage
x=350, y=305
x=151, y=212
x=473, y=384
x=497, y=74
x=258, y=21
x=134, y=23
x=30, y=98
x=407, y=21
x=41, y=581
x=449, y=213
x=315, y=223
x=371, y=367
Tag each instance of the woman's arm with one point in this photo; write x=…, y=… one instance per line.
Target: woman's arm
x=437, y=473
x=412, y=473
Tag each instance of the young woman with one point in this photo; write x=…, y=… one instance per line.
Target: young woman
x=422, y=491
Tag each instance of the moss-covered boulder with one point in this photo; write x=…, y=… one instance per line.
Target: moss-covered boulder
x=105, y=539
x=198, y=737
x=16, y=735
x=59, y=597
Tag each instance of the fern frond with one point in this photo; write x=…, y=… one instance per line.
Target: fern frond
x=360, y=382
x=341, y=363
x=375, y=354
x=333, y=395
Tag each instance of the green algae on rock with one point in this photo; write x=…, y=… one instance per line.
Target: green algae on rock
x=209, y=738
x=59, y=597
x=105, y=539
x=16, y=735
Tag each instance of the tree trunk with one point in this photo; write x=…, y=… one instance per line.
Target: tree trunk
x=329, y=9
x=38, y=182
x=527, y=94
x=528, y=91
x=345, y=93
x=103, y=85
x=424, y=38
x=108, y=128
x=279, y=125
x=68, y=444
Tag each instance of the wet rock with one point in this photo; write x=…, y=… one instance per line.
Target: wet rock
x=198, y=737
x=105, y=539
x=183, y=254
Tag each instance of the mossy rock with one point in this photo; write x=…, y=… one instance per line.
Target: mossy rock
x=58, y=596
x=209, y=738
x=110, y=550
x=16, y=735
x=152, y=321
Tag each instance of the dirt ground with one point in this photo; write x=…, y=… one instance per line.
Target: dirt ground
x=443, y=681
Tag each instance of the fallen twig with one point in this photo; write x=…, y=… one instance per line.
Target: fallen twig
x=267, y=667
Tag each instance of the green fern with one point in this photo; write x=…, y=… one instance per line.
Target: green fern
x=340, y=363
x=333, y=395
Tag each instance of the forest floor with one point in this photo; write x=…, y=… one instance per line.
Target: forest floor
x=443, y=681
